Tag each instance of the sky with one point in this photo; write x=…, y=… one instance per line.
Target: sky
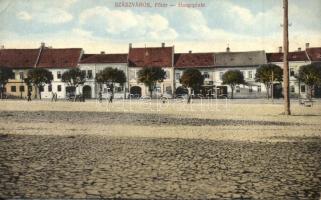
x=98, y=25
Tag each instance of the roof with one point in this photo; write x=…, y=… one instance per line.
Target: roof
x=314, y=53
x=104, y=58
x=18, y=58
x=292, y=56
x=248, y=58
x=183, y=60
x=150, y=57
x=59, y=58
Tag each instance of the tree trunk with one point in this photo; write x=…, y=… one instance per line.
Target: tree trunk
x=232, y=88
x=36, y=92
x=285, y=60
x=267, y=91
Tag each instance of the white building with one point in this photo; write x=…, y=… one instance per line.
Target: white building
x=247, y=62
x=57, y=61
x=139, y=58
x=296, y=60
x=93, y=64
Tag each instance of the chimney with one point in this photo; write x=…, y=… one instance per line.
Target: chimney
x=189, y=51
x=280, y=50
x=299, y=49
x=163, y=44
x=228, y=49
x=42, y=45
x=102, y=52
x=130, y=45
x=307, y=45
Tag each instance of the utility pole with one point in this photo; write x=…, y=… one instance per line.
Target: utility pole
x=285, y=59
x=272, y=92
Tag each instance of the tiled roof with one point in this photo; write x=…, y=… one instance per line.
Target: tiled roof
x=293, y=56
x=104, y=58
x=182, y=60
x=150, y=57
x=18, y=58
x=314, y=53
x=59, y=58
x=247, y=58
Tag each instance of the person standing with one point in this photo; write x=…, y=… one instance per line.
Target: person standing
x=29, y=94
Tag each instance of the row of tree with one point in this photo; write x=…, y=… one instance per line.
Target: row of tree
x=191, y=78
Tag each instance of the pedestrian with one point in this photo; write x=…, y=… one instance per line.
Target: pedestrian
x=52, y=96
x=29, y=95
x=56, y=96
x=100, y=97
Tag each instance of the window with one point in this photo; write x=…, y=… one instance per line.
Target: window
x=292, y=88
x=237, y=89
x=168, y=75
x=303, y=88
x=22, y=88
x=89, y=74
x=250, y=89
x=291, y=72
x=59, y=88
x=177, y=76
x=206, y=75
x=13, y=88
x=221, y=75
x=58, y=74
x=250, y=73
x=21, y=75
x=49, y=88
x=259, y=88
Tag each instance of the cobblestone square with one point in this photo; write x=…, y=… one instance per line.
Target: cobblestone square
x=55, y=150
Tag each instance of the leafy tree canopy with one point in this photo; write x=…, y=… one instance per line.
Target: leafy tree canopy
x=233, y=77
x=110, y=76
x=5, y=74
x=74, y=77
x=264, y=73
x=39, y=77
x=310, y=74
x=192, y=78
x=150, y=75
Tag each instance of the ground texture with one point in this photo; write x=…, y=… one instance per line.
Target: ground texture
x=74, y=150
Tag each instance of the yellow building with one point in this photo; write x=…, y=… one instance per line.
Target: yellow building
x=20, y=61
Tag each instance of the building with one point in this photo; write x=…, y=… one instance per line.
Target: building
x=20, y=61
x=93, y=64
x=296, y=60
x=204, y=62
x=139, y=58
x=57, y=61
x=247, y=62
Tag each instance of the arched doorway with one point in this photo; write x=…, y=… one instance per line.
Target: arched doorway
x=86, y=91
x=136, y=90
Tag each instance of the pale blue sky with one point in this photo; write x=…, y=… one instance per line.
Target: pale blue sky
x=98, y=25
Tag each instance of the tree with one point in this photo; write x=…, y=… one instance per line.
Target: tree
x=38, y=77
x=265, y=73
x=192, y=79
x=5, y=74
x=73, y=78
x=110, y=76
x=310, y=75
x=233, y=78
x=150, y=76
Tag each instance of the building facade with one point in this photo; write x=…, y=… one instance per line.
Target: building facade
x=92, y=64
x=20, y=61
x=139, y=58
